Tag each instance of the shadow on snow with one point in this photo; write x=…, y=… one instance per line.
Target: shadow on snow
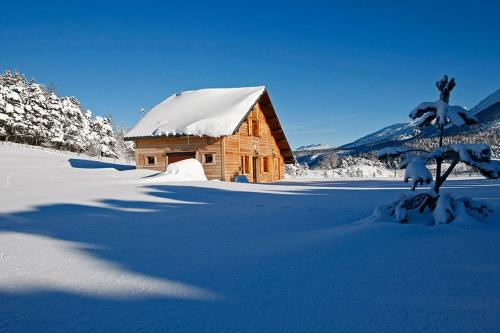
x=234, y=243
x=90, y=164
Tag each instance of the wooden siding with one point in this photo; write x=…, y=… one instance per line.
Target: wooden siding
x=159, y=147
x=245, y=142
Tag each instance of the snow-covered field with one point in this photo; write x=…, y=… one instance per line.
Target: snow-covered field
x=87, y=246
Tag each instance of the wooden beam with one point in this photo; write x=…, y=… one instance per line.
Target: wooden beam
x=223, y=158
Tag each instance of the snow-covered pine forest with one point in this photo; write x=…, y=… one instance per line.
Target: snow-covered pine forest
x=332, y=165
x=33, y=114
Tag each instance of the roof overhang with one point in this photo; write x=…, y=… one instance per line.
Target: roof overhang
x=275, y=125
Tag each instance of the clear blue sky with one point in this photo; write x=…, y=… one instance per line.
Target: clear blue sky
x=334, y=70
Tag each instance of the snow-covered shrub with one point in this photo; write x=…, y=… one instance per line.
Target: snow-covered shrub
x=442, y=208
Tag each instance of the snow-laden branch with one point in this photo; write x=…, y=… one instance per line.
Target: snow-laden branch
x=417, y=173
x=478, y=156
x=440, y=113
x=470, y=153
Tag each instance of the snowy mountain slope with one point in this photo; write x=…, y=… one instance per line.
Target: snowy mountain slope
x=399, y=131
x=487, y=111
x=87, y=246
x=489, y=101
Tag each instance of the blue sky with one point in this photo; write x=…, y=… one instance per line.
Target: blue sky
x=334, y=70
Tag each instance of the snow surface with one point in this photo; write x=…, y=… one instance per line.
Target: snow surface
x=214, y=112
x=182, y=171
x=84, y=246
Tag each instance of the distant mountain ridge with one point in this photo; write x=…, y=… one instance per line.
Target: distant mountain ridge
x=487, y=111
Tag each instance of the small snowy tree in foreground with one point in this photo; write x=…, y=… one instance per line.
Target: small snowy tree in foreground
x=443, y=208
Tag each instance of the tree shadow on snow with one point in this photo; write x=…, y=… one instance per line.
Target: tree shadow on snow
x=89, y=164
x=231, y=243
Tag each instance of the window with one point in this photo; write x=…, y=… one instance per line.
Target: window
x=255, y=128
x=208, y=158
x=245, y=164
x=150, y=160
x=265, y=162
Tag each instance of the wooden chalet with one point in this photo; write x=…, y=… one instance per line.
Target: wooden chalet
x=231, y=131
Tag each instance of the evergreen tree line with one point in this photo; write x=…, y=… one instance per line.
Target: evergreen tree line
x=33, y=114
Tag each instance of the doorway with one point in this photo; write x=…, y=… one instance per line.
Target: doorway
x=255, y=171
x=179, y=156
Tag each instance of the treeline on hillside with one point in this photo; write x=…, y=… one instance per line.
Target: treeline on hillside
x=483, y=134
x=329, y=159
x=33, y=114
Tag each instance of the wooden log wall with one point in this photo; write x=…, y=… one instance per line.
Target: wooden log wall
x=161, y=146
x=248, y=144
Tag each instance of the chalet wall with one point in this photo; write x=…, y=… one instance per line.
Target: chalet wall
x=161, y=146
x=254, y=139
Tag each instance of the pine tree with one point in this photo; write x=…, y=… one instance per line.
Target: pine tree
x=124, y=149
x=444, y=207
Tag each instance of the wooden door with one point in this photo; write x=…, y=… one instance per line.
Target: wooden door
x=279, y=167
x=255, y=171
x=179, y=156
x=276, y=169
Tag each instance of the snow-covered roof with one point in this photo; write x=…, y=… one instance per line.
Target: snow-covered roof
x=213, y=112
